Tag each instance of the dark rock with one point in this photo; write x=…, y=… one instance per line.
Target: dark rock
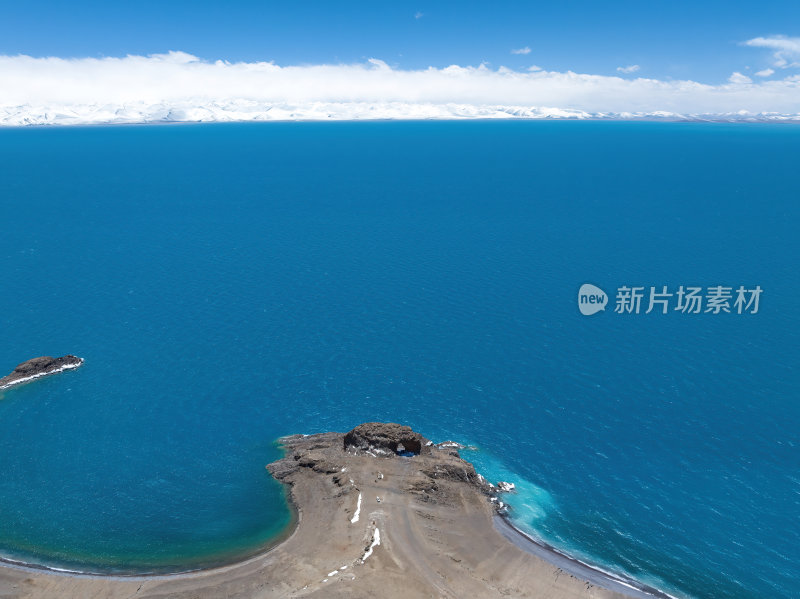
x=457, y=471
x=282, y=469
x=318, y=462
x=387, y=436
x=38, y=367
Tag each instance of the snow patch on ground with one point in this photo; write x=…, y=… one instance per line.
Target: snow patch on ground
x=356, y=516
x=376, y=540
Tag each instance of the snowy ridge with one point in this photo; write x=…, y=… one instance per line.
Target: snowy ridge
x=246, y=110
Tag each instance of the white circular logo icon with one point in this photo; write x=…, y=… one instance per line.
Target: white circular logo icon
x=591, y=299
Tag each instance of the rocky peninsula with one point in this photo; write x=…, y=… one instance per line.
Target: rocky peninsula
x=382, y=512
x=39, y=367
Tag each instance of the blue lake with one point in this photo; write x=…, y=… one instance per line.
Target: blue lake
x=229, y=284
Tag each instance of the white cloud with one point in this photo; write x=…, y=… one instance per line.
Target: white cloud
x=786, y=49
x=765, y=73
x=737, y=77
x=525, y=50
x=629, y=69
x=419, y=15
x=181, y=87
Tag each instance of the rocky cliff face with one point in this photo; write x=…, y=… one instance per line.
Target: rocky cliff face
x=38, y=367
x=429, y=472
x=388, y=437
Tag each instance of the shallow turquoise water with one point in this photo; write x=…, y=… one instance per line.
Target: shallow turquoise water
x=228, y=284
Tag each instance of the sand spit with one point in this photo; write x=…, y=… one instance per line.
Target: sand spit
x=426, y=528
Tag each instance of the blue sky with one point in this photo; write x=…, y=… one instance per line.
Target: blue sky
x=86, y=61
x=698, y=40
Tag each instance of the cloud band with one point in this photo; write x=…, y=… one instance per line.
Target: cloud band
x=179, y=86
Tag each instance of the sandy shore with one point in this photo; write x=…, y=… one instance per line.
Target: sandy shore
x=370, y=524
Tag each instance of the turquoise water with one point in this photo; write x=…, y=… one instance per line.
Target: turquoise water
x=229, y=284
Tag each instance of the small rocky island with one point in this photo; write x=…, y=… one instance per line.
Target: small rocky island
x=39, y=367
x=381, y=512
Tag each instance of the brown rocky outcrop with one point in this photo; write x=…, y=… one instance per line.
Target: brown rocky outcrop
x=386, y=436
x=430, y=477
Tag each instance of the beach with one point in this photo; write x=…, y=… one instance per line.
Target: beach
x=370, y=523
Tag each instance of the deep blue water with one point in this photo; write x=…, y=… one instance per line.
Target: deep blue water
x=229, y=284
